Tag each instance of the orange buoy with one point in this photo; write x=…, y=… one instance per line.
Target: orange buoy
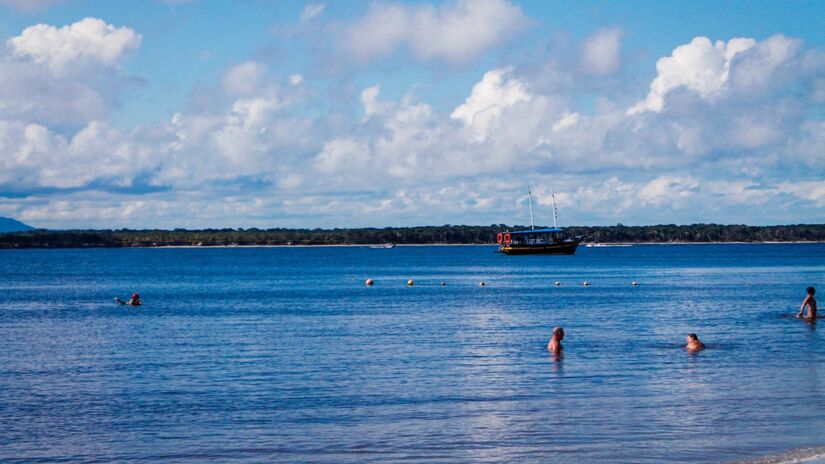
x=507, y=238
x=369, y=282
x=499, y=238
x=410, y=282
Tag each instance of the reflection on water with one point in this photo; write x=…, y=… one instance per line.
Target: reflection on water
x=285, y=355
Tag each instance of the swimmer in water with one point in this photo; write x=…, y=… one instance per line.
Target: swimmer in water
x=555, y=342
x=134, y=301
x=810, y=302
x=693, y=343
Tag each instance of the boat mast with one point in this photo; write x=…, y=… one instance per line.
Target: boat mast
x=530, y=201
x=555, y=215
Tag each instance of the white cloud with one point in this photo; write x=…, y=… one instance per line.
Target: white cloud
x=454, y=33
x=243, y=137
x=612, y=196
x=369, y=100
x=567, y=120
x=343, y=155
x=89, y=41
x=601, y=53
x=312, y=11
x=668, y=190
x=244, y=79
x=813, y=191
x=495, y=92
x=41, y=158
x=32, y=93
x=378, y=33
x=699, y=66
x=752, y=70
x=278, y=149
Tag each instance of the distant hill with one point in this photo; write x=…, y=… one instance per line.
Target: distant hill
x=13, y=225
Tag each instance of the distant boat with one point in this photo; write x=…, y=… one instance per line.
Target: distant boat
x=532, y=241
x=385, y=246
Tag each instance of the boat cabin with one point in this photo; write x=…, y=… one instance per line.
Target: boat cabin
x=532, y=237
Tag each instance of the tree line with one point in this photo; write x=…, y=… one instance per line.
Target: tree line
x=447, y=234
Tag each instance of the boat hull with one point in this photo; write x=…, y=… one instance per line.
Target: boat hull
x=567, y=247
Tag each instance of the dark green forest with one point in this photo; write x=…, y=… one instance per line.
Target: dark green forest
x=447, y=234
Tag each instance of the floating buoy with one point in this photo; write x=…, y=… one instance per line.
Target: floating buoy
x=410, y=282
x=557, y=283
x=369, y=282
x=482, y=284
x=586, y=283
x=634, y=283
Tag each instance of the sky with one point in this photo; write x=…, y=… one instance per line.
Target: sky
x=196, y=114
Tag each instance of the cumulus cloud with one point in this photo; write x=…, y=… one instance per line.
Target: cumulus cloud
x=342, y=156
x=734, y=131
x=740, y=67
x=37, y=157
x=251, y=138
x=369, y=100
x=244, y=79
x=32, y=93
x=68, y=75
x=89, y=41
x=454, y=33
x=488, y=99
x=700, y=66
x=601, y=53
x=753, y=69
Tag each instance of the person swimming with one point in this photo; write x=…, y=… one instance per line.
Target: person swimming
x=693, y=343
x=810, y=302
x=555, y=342
x=134, y=301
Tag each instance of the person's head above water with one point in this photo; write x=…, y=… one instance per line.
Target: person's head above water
x=555, y=341
x=811, y=291
x=135, y=295
x=693, y=343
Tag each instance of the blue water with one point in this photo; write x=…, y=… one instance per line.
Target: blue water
x=283, y=354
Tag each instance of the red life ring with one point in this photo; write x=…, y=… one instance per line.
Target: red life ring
x=500, y=237
x=507, y=238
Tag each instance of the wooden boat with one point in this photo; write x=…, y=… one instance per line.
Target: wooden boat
x=550, y=241
x=532, y=241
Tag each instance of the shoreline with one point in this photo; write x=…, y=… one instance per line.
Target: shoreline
x=354, y=245
x=807, y=455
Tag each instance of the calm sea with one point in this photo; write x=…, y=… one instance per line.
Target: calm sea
x=283, y=354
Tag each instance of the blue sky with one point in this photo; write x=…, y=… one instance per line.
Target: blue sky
x=344, y=113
